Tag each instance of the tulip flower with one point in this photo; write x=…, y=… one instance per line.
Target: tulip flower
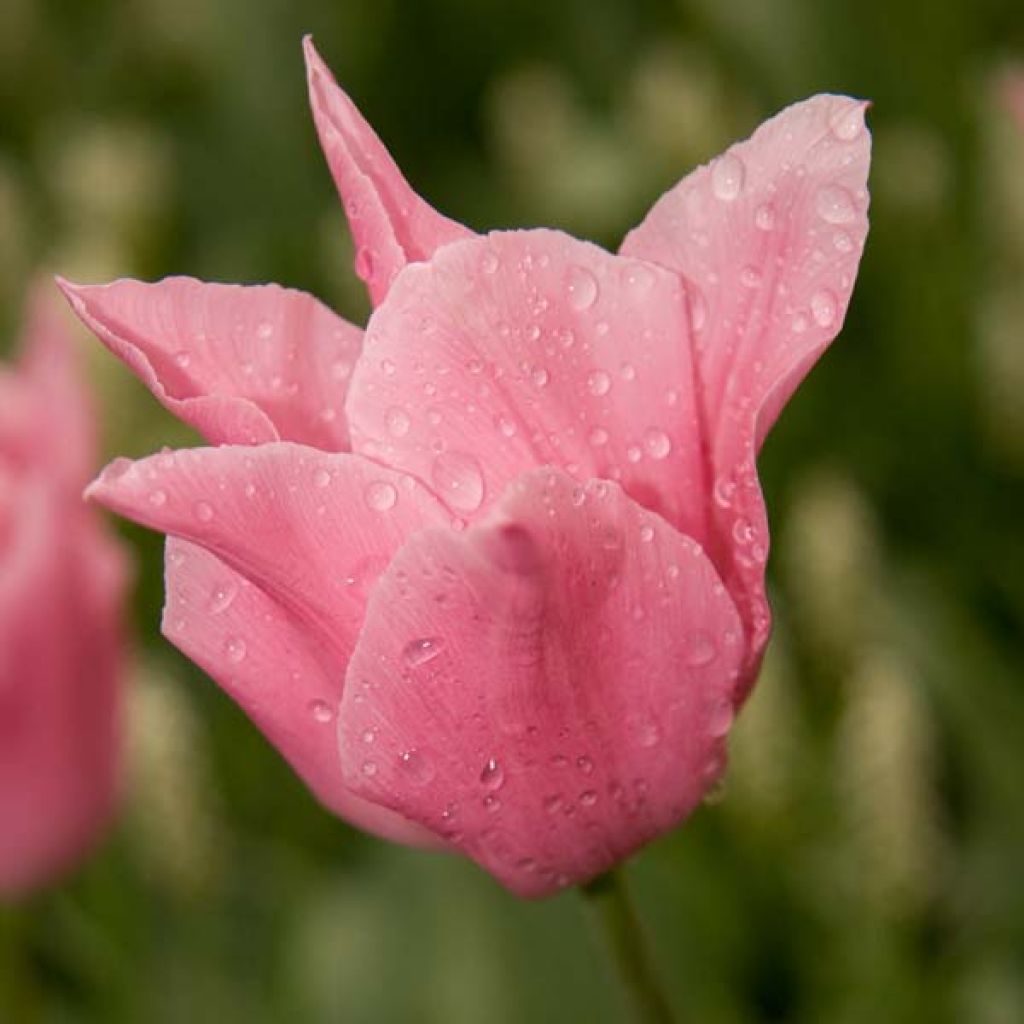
x=61, y=585
x=491, y=575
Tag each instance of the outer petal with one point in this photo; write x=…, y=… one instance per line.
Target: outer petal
x=241, y=364
x=550, y=689
x=770, y=234
x=309, y=528
x=531, y=348
x=60, y=593
x=279, y=673
x=391, y=225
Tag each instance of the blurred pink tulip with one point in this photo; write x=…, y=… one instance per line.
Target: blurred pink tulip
x=61, y=585
x=505, y=552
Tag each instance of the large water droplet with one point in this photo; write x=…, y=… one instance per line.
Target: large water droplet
x=420, y=651
x=727, y=176
x=835, y=205
x=493, y=775
x=582, y=288
x=416, y=767
x=657, y=443
x=459, y=481
x=380, y=495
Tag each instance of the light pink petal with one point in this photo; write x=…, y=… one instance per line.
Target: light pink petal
x=391, y=225
x=768, y=237
x=242, y=364
x=548, y=690
x=285, y=680
x=45, y=417
x=531, y=348
x=311, y=529
x=60, y=645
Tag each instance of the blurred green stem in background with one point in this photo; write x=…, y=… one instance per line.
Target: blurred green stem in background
x=19, y=996
x=612, y=910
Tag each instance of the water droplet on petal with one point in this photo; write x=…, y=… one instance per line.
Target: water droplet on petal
x=223, y=597
x=492, y=803
x=588, y=798
x=489, y=262
x=843, y=242
x=727, y=177
x=459, y=481
x=599, y=383
x=493, y=775
x=182, y=358
x=582, y=288
x=639, y=278
x=823, y=308
x=416, y=767
x=764, y=217
x=584, y=764
x=364, y=263
x=380, y=495
x=369, y=769
x=698, y=309
x=398, y=422
x=420, y=651
x=598, y=437
x=700, y=649
x=835, y=205
x=203, y=511
x=158, y=497
x=720, y=719
x=848, y=121
x=235, y=649
x=657, y=443
x=322, y=478
x=552, y=803
x=321, y=711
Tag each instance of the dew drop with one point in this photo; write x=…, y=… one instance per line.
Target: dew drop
x=369, y=769
x=823, y=308
x=639, y=278
x=599, y=383
x=235, y=649
x=416, y=767
x=553, y=803
x=459, y=481
x=203, y=511
x=539, y=376
x=420, y=651
x=582, y=288
x=842, y=242
x=700, y=649
x=322, y=478
x=158, y=497
x=598, y=437
x=588, y=798
x=646, y=731
x=835, y=205
x=380, y=495
x=321, y=711
x=646, y=533
x=764, y=217
x=847, y=122
x=657, y=443
x=265, y=330
x=489, y=262
x=584, y=764
x=698, y=309
x=398, y=422
x=492, y=775
x=720, y=719
x=364, y=263
x=750, y=277
x=182, y=358
x=727, y=177
x=492, y=803
x=223, y=597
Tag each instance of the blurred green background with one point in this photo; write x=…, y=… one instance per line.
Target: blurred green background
x=865, y=861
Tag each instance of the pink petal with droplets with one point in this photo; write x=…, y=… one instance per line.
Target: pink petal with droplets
x=531, y=348
x=297, y=522
x=241, y=364
x=548, y=690
x=287, y=682
x=391, y=225
x=769, y=237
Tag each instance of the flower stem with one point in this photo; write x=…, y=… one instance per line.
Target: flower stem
x=18, y=993
x=612, y=910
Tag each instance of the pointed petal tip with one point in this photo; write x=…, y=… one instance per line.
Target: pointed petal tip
x=99, y=489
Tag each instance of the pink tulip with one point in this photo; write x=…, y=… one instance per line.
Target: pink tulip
x=492, y=576
x=61, y=583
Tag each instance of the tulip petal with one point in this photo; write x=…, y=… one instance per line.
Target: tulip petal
x=60, y=594
x=286, y=682
x=391, y=225
x=768, y=237
x=531, y=348
x=311, y=529
x=242, y=364
x=550, y=689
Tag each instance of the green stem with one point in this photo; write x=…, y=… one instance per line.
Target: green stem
x=19, y=996
x=611, y=908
